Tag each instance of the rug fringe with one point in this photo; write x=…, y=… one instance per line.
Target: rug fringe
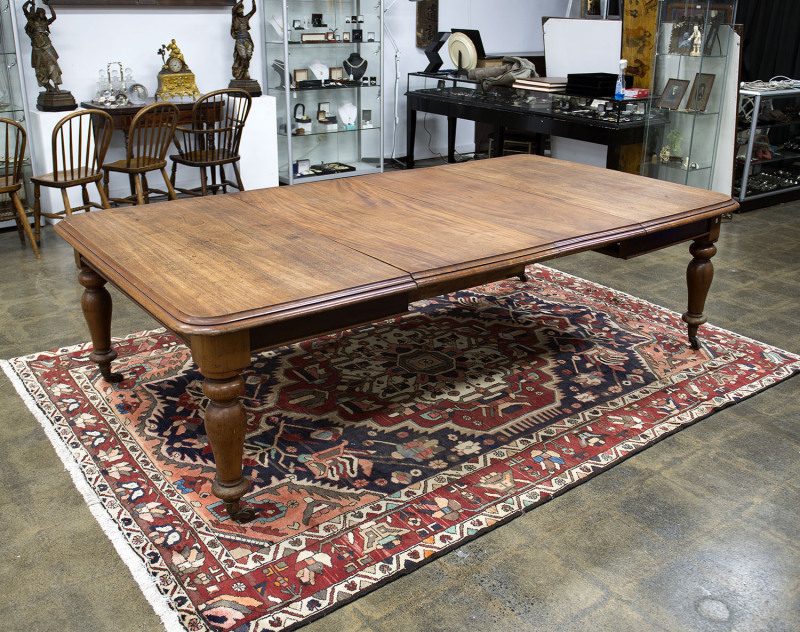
x=157, y=601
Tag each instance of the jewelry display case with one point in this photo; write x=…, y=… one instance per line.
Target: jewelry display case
x=767, y=146
x=604, y=111
x=689, y=84
x=324, y=63
x=12, y=106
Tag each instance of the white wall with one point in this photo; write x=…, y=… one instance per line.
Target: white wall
x=86, y=39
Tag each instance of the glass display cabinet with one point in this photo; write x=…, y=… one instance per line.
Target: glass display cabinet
x=767, y=146
x=324, y=64
x=12, y=107
x=690, y=68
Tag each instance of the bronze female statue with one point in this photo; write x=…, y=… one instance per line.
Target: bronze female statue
x=44, y=57
x=243, y=47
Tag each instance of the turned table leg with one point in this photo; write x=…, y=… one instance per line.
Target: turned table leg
x=221, y=360
x=699, y=274
x=96, y=304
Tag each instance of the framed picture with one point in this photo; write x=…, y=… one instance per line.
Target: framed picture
x=337, y=73
x=701, y=90
x=680, y=41
x=680, y=10
x=673, y=94
x=358, y=35
x=346, y=36
x=300, y=74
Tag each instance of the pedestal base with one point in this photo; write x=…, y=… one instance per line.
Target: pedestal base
x=60, y=101
x=250, y=85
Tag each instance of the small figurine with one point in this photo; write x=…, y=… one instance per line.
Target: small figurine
x=697, y=41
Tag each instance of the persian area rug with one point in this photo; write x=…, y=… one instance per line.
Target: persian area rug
x=375, y=449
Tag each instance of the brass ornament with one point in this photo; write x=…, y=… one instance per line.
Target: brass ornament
x=175, y=79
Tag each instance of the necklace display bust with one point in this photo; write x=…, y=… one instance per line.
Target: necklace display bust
x=355, y=66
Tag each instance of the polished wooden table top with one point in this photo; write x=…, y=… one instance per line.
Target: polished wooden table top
x=232, y=274
x=236, y=261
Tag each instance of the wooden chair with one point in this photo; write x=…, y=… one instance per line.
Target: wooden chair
x=212, y=141
x=149, y=138
x=79, y=144
x=14, y=139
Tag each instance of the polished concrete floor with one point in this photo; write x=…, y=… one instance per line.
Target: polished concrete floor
x=700, y=532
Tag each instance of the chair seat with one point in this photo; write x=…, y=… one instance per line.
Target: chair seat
x=16, y=186
x=140, y=163
x=70, y=178
x=205, y=157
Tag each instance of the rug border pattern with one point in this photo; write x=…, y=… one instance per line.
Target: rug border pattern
x=163, y=590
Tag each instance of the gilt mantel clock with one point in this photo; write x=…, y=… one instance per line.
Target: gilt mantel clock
x=175, y=79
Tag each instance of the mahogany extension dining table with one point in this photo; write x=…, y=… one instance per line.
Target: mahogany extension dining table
x=234, y=274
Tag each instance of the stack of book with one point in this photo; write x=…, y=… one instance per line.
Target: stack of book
x=542, y=84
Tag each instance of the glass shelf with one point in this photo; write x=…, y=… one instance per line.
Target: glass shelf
x=692, y=130
x=289, y=61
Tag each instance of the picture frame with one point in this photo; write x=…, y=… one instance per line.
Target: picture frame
x=300, y=74
x=680, y=41
x=672, y=95
x=337, y=73
x=346, y=36
x=676, y=11
x=700, y=92
x=358, y=35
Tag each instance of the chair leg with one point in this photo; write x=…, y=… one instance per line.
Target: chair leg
x=37, y=212
x=145, y=188
x=222, y=179
x=133, y=180
x=20, y=232
x=85, y=196
x=214, y=180
x=170, y=189
x=173, y=174
x=103, y=195
x=65, y=198
x=138, y=186
x=105, y=184
x=203, y=182
x=23, y=218
x=239, y=182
